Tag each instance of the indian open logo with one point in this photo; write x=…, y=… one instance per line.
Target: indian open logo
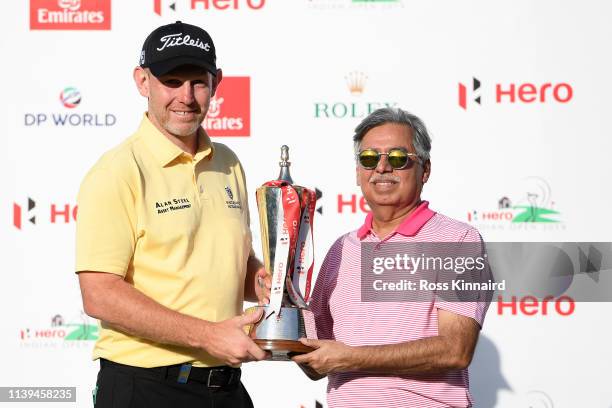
x=530, y=206
x=70, y=97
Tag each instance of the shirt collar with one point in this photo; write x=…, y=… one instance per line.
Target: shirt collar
x=409, y=227
x=205, y=146
x=164, y=150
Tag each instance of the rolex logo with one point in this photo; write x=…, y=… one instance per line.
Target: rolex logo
x=356, y=82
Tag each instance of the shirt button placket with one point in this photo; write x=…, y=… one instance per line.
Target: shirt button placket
x=194, y=180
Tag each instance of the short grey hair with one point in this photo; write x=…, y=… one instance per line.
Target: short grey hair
x=420, y=138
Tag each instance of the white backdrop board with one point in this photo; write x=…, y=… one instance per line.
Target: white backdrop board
x=515, y=94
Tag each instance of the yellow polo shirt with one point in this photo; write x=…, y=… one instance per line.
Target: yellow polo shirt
x=173, y=225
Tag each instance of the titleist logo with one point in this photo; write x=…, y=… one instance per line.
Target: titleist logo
x=175, y=40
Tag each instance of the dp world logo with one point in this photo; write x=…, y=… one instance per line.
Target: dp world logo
x=70, y=97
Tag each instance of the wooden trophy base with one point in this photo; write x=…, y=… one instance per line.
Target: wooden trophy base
x=283, y=350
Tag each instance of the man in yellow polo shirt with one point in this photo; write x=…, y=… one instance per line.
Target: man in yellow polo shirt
x=164, y=253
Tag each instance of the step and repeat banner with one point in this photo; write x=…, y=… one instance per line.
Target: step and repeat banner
x=515, y=94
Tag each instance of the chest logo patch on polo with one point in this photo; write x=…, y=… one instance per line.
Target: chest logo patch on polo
x=228, y=190
x=173, y=204
x=231, y=203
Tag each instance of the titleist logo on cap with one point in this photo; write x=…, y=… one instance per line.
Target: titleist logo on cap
x=176, y=40
x=173, y=45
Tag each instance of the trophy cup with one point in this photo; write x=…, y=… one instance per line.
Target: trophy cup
x=286, y=213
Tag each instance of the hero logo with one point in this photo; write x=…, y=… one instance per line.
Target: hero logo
x=518, y=93
x=463, y=93
x=229, y=113
x=317, y=405
x=211, y=4
x=532, y=306
x=57, y=213
x=18, y=213
x=354, y=203
x=70, y=14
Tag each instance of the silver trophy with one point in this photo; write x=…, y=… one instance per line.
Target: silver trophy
x=285, y=213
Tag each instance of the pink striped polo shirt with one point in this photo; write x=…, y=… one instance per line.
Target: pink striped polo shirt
x=341, y=315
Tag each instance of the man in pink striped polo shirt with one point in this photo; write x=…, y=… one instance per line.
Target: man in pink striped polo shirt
x=403, y=353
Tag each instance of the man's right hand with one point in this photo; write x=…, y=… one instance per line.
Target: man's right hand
x=109, y=298
x=227, y=341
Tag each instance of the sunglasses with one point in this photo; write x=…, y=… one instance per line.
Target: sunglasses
x=397, y=158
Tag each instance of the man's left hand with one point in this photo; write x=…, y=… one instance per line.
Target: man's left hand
x=263, y=284
x=329, y=356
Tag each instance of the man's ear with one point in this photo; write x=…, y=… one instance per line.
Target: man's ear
x=216, y=81
x=357, y=175
x=426, y=171
x=141, y=78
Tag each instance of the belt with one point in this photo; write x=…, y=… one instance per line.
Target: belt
x=212, y=377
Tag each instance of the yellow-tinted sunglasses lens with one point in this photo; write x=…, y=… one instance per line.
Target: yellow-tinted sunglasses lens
x=397, y=159
x=369, y=158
